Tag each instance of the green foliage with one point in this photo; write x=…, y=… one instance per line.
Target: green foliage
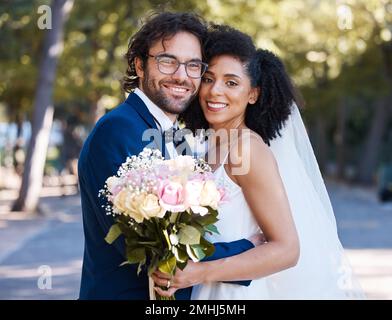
x=166, y=242
x=330, y=55
x=189, y=235
x=168, y=265
x=113, y=234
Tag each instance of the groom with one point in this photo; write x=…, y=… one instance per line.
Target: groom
x=163, y=76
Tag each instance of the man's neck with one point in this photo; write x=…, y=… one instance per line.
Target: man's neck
x=172, y=117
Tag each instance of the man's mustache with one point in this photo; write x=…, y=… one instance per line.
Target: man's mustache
x=184, y=84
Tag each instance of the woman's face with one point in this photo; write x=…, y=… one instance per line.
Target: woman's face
x=225, y=92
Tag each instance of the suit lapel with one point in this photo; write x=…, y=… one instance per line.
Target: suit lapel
x=138, y=105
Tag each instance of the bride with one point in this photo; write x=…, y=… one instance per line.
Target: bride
x=272, y=180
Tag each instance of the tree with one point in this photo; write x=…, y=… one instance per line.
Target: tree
x=43, y=110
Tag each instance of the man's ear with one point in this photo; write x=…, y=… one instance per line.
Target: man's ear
x=254, y=95
x=139, y=67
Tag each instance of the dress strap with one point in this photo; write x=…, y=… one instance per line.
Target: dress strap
x=234, y=143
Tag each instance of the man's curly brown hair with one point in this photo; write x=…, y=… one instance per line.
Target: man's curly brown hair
x=159, y=26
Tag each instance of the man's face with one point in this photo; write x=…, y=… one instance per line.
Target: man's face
x=172, y=93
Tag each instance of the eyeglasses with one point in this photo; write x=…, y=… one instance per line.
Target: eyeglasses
x=169, y=65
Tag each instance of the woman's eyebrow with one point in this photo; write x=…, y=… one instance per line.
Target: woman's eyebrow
x=231, y=75
x=227, y=75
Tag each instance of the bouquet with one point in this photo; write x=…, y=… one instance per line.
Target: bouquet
x=163, y=208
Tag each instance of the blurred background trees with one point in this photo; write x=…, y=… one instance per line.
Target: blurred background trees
x=339, y=54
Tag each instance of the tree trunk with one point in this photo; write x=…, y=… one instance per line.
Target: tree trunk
x=19, y=125
x=43, y=110
x=17, y=150
x=371, y=153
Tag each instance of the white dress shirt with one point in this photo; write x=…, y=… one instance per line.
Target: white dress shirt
x=162, y=121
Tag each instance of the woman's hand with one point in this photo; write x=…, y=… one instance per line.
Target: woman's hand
x=192, y=275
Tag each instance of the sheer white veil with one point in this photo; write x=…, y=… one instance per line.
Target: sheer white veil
x=323, y=271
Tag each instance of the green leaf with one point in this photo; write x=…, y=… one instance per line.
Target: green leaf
x=141, y=264
x=185, y=219
x=207, y=219
x=164, y=231
x=189, y=235
x=164, y=223
x=134, y=230
x=153, y=265
x=181, y=265
x=173, y=217
x=181, y=255
x=131, y=242
x=150, y=228
x=208, y=247
x=198, y=251
x=136, y=255
x=213, y=211
x=212, y=229
x=113, y=234
x=123, y=263
x=168, y=265
x=199, y=227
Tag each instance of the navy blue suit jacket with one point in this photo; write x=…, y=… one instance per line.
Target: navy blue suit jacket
x=117, y=135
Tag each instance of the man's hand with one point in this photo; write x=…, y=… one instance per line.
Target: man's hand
x=190, y=276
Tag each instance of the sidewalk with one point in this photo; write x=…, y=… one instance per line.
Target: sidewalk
x=56, y=240
x=364, y=226
x=28, y=245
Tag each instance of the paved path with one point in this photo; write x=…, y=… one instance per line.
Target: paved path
x=55, y=240
x=365, y=229
x=29, y=244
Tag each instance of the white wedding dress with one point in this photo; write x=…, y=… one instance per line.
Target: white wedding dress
x=322, y=271
x=236, y=222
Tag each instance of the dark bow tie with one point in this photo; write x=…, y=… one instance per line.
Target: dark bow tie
x=173, y=135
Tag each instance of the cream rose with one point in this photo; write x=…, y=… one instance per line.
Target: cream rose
x=150, y=207
x=119, y=200
x=128, y=204
x=133, y=207
x=210, y=195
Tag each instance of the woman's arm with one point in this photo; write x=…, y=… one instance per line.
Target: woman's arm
x=267, y=199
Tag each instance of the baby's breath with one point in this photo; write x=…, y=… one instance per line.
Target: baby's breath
x=142, y=173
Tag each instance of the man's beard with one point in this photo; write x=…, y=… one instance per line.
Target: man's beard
x=168, y=105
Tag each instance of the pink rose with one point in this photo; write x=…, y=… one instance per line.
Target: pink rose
x=171, y=196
